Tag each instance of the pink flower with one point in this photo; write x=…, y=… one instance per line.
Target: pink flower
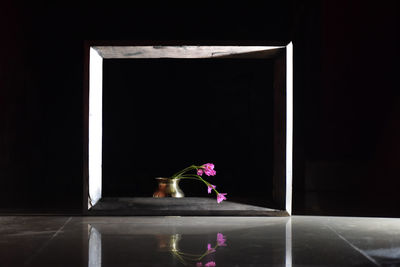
x=210, y=264
x=211, y=173
x=211, y=187
x=221, y=240
x=208, y=166
x=221, y=197
x=210, y=249
x=209, y=169
x=199, y=264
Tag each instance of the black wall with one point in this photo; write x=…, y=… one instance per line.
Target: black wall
x=346, y=105
x=347, y=109
x=162, y=115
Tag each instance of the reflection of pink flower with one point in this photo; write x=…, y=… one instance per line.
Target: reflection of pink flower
x=210, y=264
x=199, y=264
x=200, y=172
x=211, y=187
x=221, y=197
x=221, y=240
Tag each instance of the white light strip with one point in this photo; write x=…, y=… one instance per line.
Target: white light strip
x=95, y=125
x=94, y=259
x=288, y=244
x=289, y=126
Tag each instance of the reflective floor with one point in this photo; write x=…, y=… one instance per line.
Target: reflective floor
x=199, y=241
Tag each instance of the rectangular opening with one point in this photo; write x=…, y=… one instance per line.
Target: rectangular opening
x=164, y=113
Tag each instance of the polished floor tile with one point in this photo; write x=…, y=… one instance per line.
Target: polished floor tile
x=199, y=241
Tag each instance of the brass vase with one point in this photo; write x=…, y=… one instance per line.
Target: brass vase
x=168, y=187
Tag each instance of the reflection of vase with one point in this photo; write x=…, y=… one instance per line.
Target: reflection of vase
x=168, y=187
x=168, y=242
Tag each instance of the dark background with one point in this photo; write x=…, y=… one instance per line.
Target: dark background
x=163, y=115
x=346, y=100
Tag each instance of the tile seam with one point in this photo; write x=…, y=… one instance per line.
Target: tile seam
x=47, y=242
x=354, y=247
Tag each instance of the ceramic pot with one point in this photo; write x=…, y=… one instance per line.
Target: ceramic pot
x=168, y=187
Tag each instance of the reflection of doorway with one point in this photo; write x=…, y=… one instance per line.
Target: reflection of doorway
x=145, y=95
x=175, y=243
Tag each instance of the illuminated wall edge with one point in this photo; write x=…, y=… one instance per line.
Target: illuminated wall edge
x=95, y=126
x=289, y=126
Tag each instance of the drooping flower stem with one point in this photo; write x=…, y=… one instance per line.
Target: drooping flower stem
x=207, y=169
x=197, y=177
x=183, y=171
